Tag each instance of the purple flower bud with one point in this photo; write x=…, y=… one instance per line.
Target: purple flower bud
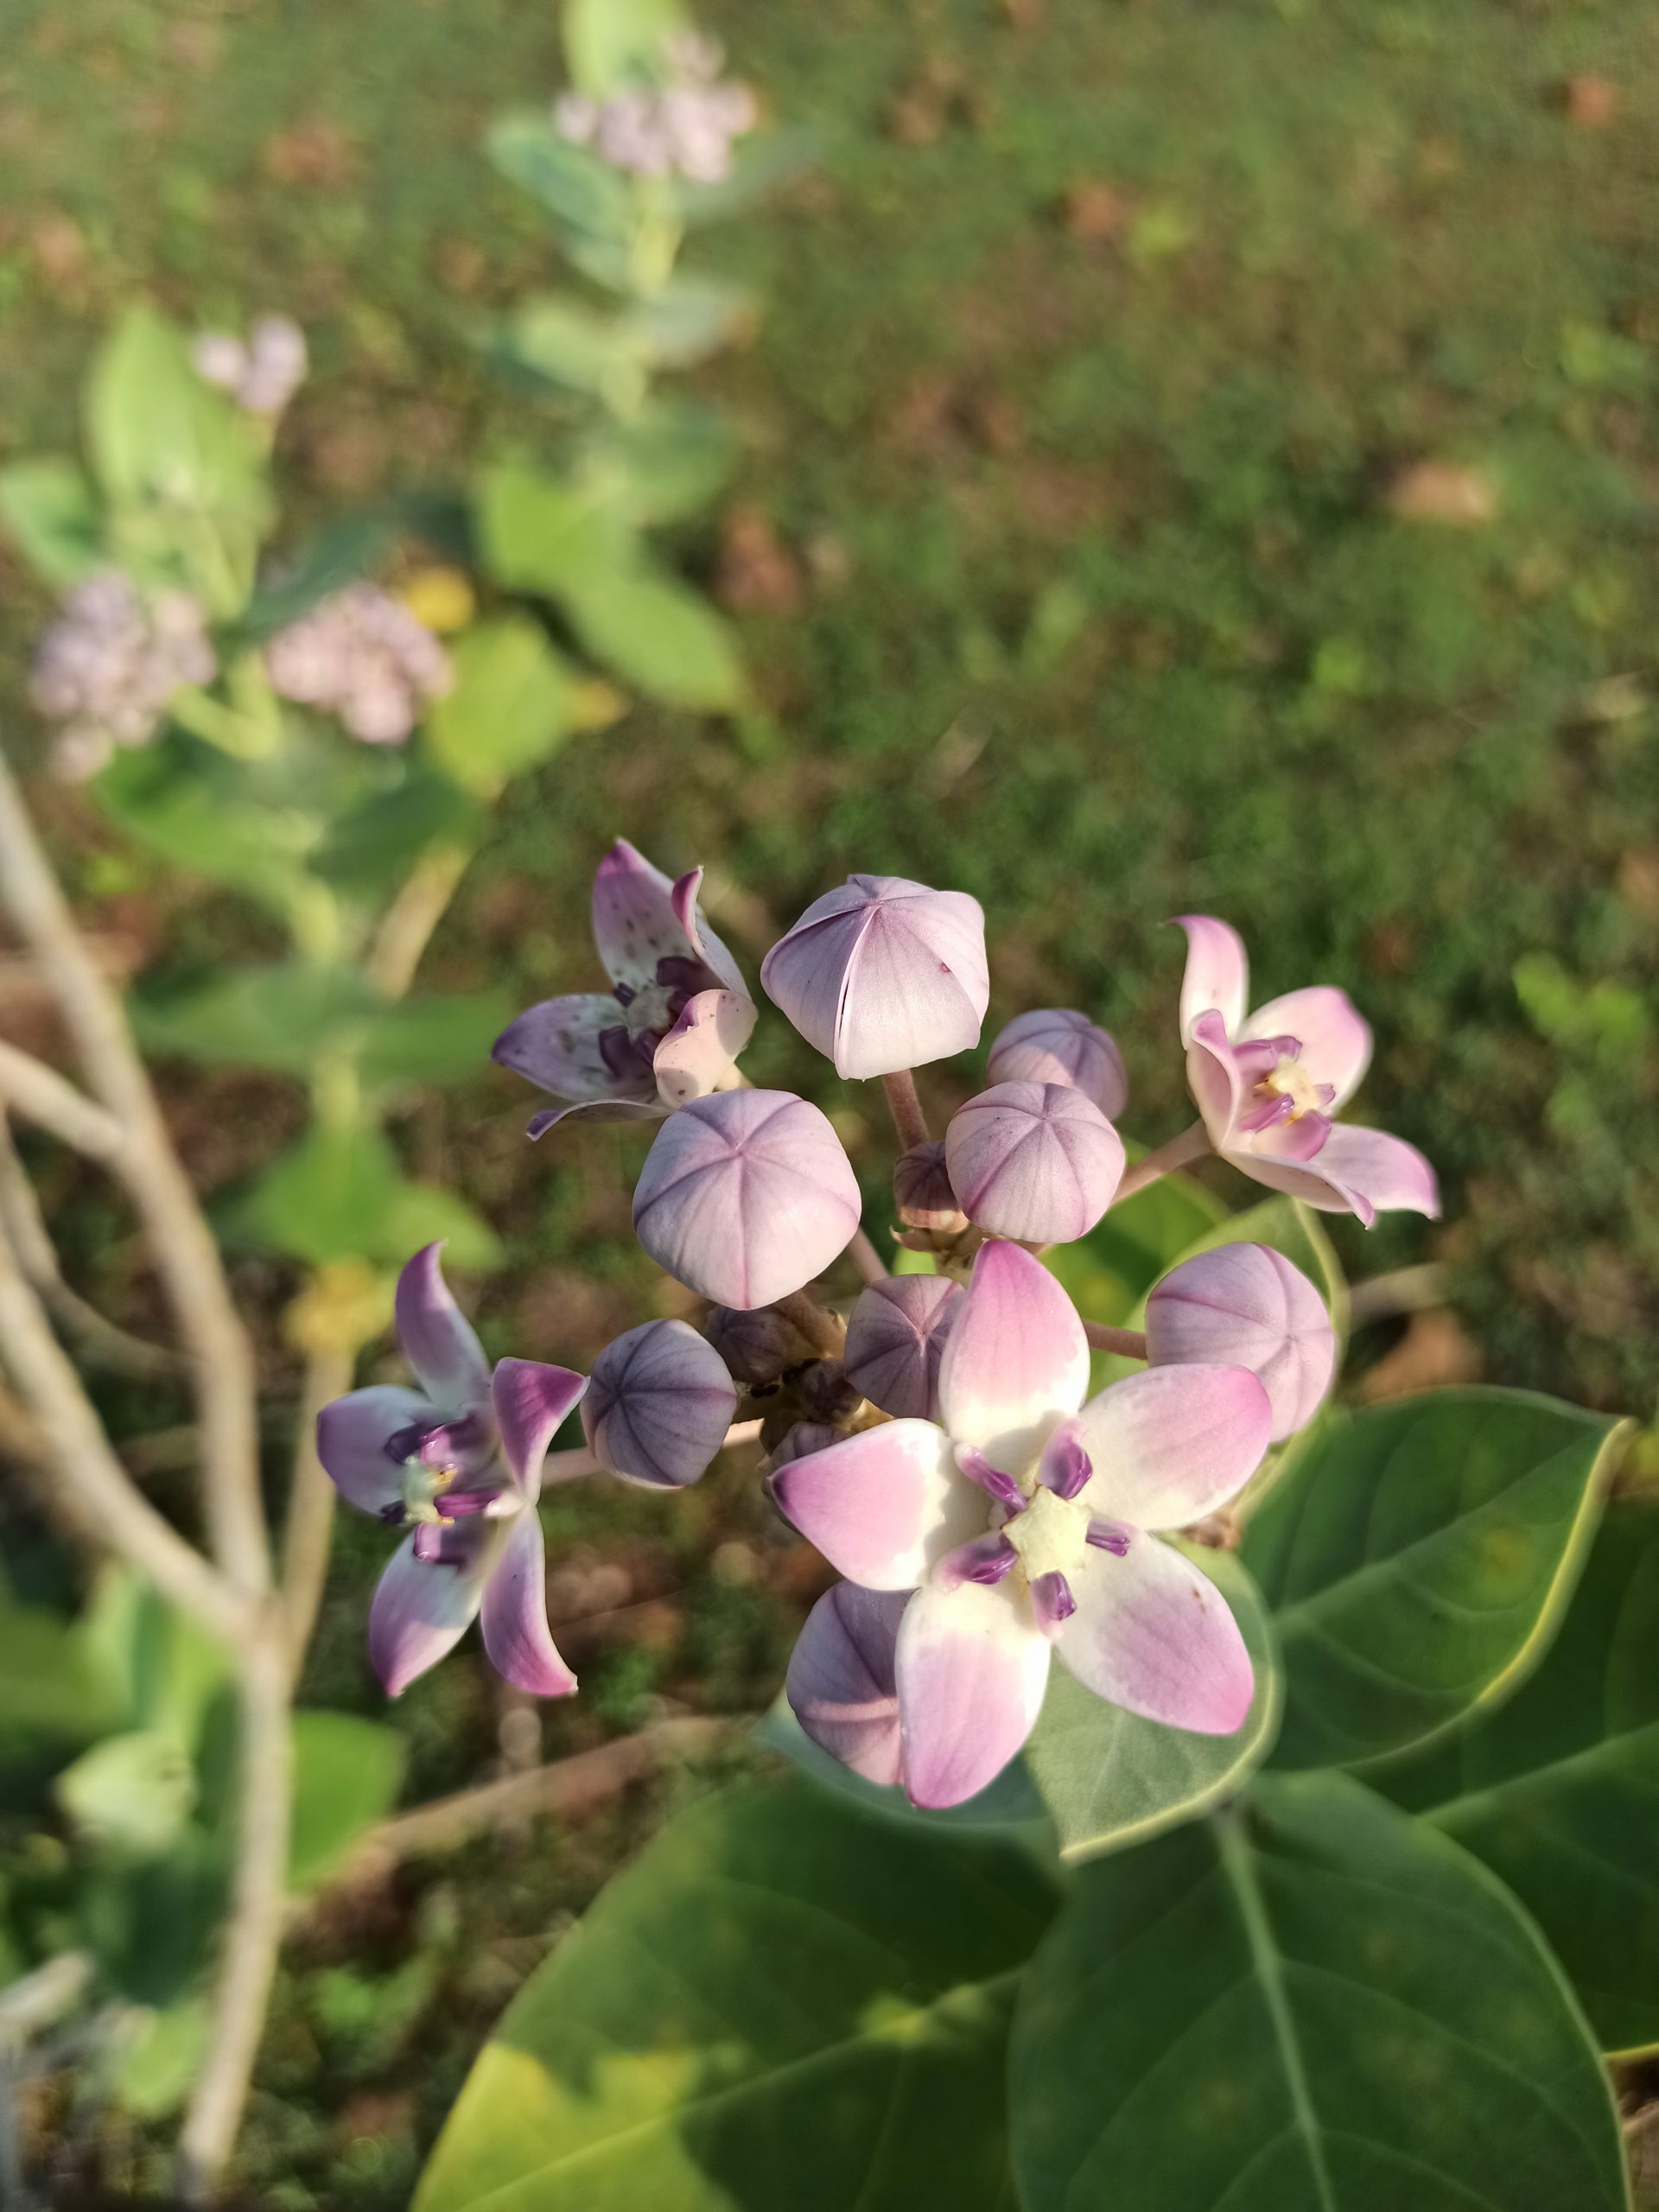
x=1057, y=1044
x=757, y=1345
x=745, y=1196
x=895, y=1340
x=800, y=1441
x=922, y=1191
x=842, y=1679
x=363, y=656
x=1034, y=1160
x=1246, y=1306
x=659, y=1402
x=825, y=1391
x=883, y=974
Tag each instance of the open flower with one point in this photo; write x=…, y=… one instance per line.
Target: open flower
x=458, y=1462
x=677, y=1015
x=1269, y=1083
x=1024, y=1522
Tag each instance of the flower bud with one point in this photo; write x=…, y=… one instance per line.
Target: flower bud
x=826, y=1392
x=895, y=1340
x=841, y=1683
x=804, y=1438
x=883, y=974
x=1245, y=1306
x=658, y=1404
x=1034, y=1160
x=922, y=1191
x=756, y=1345
x=745, y=1196
x=1057, y=1044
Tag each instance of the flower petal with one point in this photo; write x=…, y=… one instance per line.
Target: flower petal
x=1153, y=1635
x=1363, y=1172
x=419, y=1612
x=1016, y=1361
x=1172, y=1444
x=883, y=1506
x=635, y=922
x=1246, y=1306
x=1335, y=1037
x=1213, y=1077
x=1217, y=974
x=895, y=1339
x=439, y=1342
x=842, y=1684
x=702, y=939
x=352, y=1437
x=971, y=1668
x=530, y=1400
x=659, y=1405
x=597, y=1110
x=517, y=1638
x=699, y=1054
x=556, y=1046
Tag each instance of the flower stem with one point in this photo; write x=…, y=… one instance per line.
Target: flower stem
x=1192, y=1144
x=821, y=1331
x=864, y=1257
x=1128, y=1343
x=906, y=1107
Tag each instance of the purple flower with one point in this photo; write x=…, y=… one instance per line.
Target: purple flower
x=746, y=1196
x=1267, y=1084
x=1024, y=1522
x=659, y=1402
x=677, y=1017
x=363, y=656
x=107, y=666
x=458, y=1462
x=1057, y=1044
x=1245, y=1306
x=883, y=974
x=1034, y=1160
x=261, y=375
x=687, y=124
x=895, y=1340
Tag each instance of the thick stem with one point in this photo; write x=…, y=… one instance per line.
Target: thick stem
x=865, y=1257
x=821, y=1331
x=254, y=1930
x=408, y=923
x=904, y=1103
x=1128, y=1343
x=309, y=1525
x=1192, y=1144
x=41, y=1094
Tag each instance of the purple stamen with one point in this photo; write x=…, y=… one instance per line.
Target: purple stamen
x=978, y=1469
x=622, y=1056
x=1113, y=1536
x=456, y=1504
x=1275, y=1108
x=983, y=1559
x=1066, y=1466
x=394, y=1515
x=429, y=1542
x=675, y=973
x=1053, y=1602
x=624, y=993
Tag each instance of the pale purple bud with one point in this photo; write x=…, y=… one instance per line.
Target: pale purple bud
x=883, y=974
x=1034, y=1160
x=1058, y=1044
x=895, y=1339
x=841, y=1683
x=1246, y=1306
x=363, y=656
x=108, y=666
x=659, y=1402
x=825, y=1392
x=800, y=1441
x=745, y=1196
x=756, y=1345
x=921, y=1189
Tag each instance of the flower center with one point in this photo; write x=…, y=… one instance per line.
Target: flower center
x=1052, y=1535
x=1292, y=1081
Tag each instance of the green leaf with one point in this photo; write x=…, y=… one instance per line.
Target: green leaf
x=782, y=1994
x=589, y=202
x=1418, y=1558
x=1558, y=1791
x=1110, y=1271
x=1296, y=1229
x=433, y=1038
x=610, y=43
x=689, y=318
x=512, y=703
x=378, y=840
x=347, y=1776
x=1110, y=1779
x=567, y=344
x=280, y=1018
x=157, y=2057
x=54, y=517
x=422, y=1213
x=1309, y=2003
x=663, y=464
x=538, y=532
x=351, y=547
x=329, y=1198
x=150, y=1920
x=658, y=635
x=165, y=796
x=134, y=1791
x=158, y=1668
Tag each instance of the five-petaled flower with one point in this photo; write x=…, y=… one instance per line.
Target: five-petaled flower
x=1268, y=1083
x=458, y=1462
x=677, y=1017
x=1025, y=1522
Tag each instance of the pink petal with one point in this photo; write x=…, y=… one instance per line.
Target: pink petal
x=704, y=943
x=659, y=1404
x=882, y=1506
x=438, y=1341
x=972, y=1666
x=634, y=922
x=842, y=1684
x=352, y=1437
x=1335, y=1038
x=1246, y=1306
x=1363, y=1172
x=1016, y=1361
x=1217, y=974
x=1172, y=1444
x=517, y=1639
x=1058, y=1044
x=1213, y=1077
x=419, y=1613
x=699, y=1054
x=596, y=1111
x=895, y=1340
x=530, y=1400
x=1034, y=1160
x=556, y=1046
x=1153, y=1635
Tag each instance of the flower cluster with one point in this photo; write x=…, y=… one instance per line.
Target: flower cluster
x=936, y=1440
x=262, y=371
x=107, y=668
x=685, y=125
x=363, y=656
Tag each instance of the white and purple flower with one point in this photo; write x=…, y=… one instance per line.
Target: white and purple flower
x=1023, y=1522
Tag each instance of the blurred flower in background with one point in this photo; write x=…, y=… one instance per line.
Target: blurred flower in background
x=107, y=668
x=687, y=124
x=363, y=656
x=261, y=374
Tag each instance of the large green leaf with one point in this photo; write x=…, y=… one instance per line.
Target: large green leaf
x=1418, y=1557
x=49, y=511
x=663, y=463
x=170, y=797
x=512, y=703
x=1009, y=1802
x=539, y=532
x=135, y=1790
x=657, y=634
x=1110, y=1779
x=279, y=1018
x=565, y=343
x=375, y=841
x=610, y=43
x=1308, y=2003
x=590, y=203
x=1558, y=1791
x=435, y=1038
x=338, y=1195
x=349, y=547
x=347, y=1775
x=784, y=2001
x=688, y=319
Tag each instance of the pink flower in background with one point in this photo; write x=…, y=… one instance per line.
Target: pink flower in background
x=107, y=668
x=261, y=374
x=687, y=124
x=1057, y=1044
x=1025, y=1520
x=1269, y=1083
x=458, y=1462
x=363, y=656
x=1245, y=1304
x=677, y=1015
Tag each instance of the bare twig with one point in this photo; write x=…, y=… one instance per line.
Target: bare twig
x=904, y=1105
x=1128, y=1344
x=1180, y=1151
x=308, y=1528
x=221, y=1355
x=41, y=1094
x=409, y=922
x=825, y=1333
